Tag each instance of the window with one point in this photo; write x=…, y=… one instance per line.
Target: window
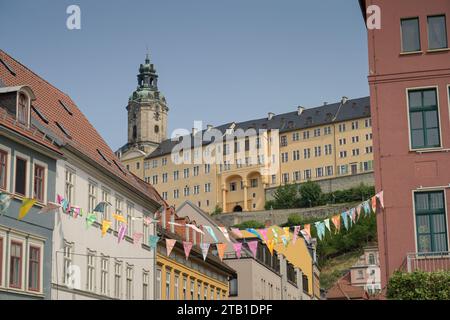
x=437, y=32
x=196, y=189
x=184, y=288
x=368, y=123
x=3, y=169
x=145, y=283
x=369, y=136
x=360, y=274
x=307, y=153
x=342, y=127
x=355, y=139
x=186, y=173
x=1, y=262
x=164, y=177
x=410, y=35
x=207, y=168
x=176, y=194
x=307, y=174
x=211, y=294
x=196, y=170
x=186, y=191
x=117, y=278
x=68, y=256
x=22, y=109
x=90, y=286
x=155, y=179
x=327, y=130
x=343, y=169
x=233, y=186
x=342, y=141
x=254, y=183
x=295, y=136
x=355, y=152
x=207, y=187
x=319, y=172
x=317, y=151
x=355, y=125
x=164, y=161
x=104, y=270
x=154, y=163
x=424, y=119
x=15, y=267
x=369, y=149
x=176, y=175
x=285, y=177
x=296, y=155
x=21, y=176
x=138, y=165
x=296, y=175
x=34, y=269
x=158, y=284
x=371, y=258
x=70, y=186
x=129, y=219
x=329, y=170
x=284, y=157
x=431, y=225
x=306, y=135
x=105, y=198
x=192, y=289
x=328, y=149
x=343, y=154
x=92, y=196
x=129, y=288
x=39, y=183
x=168, y=274
x=199, y=289
x=164, y=195
x=176, y=293
x=317, y=132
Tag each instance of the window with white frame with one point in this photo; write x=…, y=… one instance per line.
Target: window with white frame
x=168, y=276
x=176, y=175
x=1, y=259
x=21, y=176
x=104, y=275
x=184, y=288
x=105, y=198
x=92, y=196
x=15, y=264
x=145, y=285
x=34, y=268
x=176, y=194
x=67, y=261
x=158, y=284
x=119, y=210
x=117, y=278
x=69, y=193
x=90, y=283
x=4, y=169
x=207, y=168
x=39, y=182
x=130, y=209
x=129, y=287
x=192, y=289
x=176, y=284
x=164, y=177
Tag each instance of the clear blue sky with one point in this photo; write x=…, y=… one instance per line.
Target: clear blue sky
x=218, y=60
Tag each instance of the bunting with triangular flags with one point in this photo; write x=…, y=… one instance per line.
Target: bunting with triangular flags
x=170, y=243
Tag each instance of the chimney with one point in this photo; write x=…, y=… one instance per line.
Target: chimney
x=344, y=100
x=300, y=110
x=270, y=115
x=325, y=103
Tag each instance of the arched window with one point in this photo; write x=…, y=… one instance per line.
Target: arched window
x=156, y=129
x=22, y=109
x=134, y=132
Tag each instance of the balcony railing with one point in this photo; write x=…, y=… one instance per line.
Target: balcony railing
x=428, y=261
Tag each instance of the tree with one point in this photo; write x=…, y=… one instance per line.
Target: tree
x=286, y=197
x=250, y=224
x=310, y=194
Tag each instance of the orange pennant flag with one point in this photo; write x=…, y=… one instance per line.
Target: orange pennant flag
x=221, y=249
x=270, y=245
x=337, y=222
x=307, y=229
x=374, y=204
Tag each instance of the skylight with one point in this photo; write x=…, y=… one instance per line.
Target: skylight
x=7, y=66
x=38, y=112
x=65, y=107
x=103, y=156
x=64, y=130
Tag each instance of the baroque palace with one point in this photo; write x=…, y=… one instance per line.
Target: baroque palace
x=330, y=144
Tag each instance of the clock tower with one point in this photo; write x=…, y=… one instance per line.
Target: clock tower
x=147, y=111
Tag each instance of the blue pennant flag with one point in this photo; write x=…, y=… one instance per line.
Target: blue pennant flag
x=153, y=241
x=344, y=218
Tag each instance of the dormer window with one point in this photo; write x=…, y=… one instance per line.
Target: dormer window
x=23, y=109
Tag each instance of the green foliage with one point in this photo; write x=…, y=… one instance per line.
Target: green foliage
x=299, y=196
x=285, y=197
x=358, y=235
x=310, y=194
x=250, y=224
x=217, y=210
x=419, y=286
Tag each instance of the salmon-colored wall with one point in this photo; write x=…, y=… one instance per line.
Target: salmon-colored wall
x=399, y=171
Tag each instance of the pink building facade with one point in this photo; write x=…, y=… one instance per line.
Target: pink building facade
x=366, y=272
x=409, y=78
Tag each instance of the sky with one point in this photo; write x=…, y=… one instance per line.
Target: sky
x=218, y=60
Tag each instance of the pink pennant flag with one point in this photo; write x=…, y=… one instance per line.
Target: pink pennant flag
x=237, y=248
x=237, y=232
x=225, y=232
x=380, y=196
x=263, y=232
x=121, y=233
x=296, y=231
x=59, y=199
x=358, y=210
x=205, y=249
x=137, y=236
x=187, y=248
x=50, y=207
x=253, y=245
x=170, y=243
x=76, y=211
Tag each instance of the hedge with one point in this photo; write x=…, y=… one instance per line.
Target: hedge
x=419, y=285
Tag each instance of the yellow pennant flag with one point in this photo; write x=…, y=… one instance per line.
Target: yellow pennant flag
x=120, y=218
x=105, y=226
x=27, y=204
x=270, y=245
x=286, y=232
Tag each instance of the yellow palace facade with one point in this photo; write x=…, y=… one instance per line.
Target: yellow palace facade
x=328, y=142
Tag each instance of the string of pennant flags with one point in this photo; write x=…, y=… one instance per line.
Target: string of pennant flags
x=347, y=219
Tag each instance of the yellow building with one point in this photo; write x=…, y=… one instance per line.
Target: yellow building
x=333, y=141
x=178, y=278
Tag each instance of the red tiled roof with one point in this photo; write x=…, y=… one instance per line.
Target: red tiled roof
x=343, y=290
x=83, y=136
x=31, y=133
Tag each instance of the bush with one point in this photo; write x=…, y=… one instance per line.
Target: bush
x=217, y=210
x=419, y=286
x=310, y=194
x=250, y=224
